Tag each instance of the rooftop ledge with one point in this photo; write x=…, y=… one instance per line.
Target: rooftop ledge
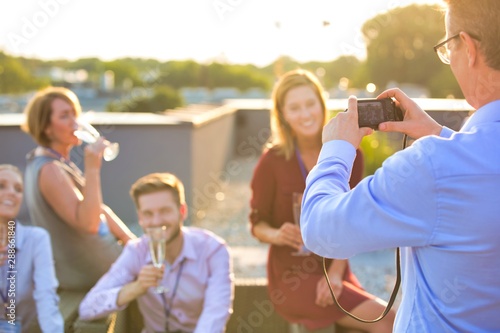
x=200, y=114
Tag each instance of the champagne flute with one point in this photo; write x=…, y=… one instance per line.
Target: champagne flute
x=296, y=207
x=88, y=134
x=157, y=246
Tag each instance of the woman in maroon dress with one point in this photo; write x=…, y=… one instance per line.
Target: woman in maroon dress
x=297, y=286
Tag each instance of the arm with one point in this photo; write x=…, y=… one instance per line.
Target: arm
x=45, y=282
x=149, y=276
x=80, y=209
x=102, y=299
x=395, y=207
x=219, y=294
x=336, y=275
x=116, y=225
x=263, y=186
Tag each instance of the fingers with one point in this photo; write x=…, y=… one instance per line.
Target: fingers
x=98, y=146
x=393, y=126
x=150, y=276
x=323, y=296
x=94, y=153
x=396, y=93
x=345, y=126
x=352, y=106
x=289, y=234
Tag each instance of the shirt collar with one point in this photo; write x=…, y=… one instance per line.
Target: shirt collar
x=486, y=114
x=188, y=250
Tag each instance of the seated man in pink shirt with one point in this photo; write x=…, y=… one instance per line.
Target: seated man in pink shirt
x=196, y=274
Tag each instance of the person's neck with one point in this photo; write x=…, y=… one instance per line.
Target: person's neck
x=174, y=248
x=62, y=150
x=485, y=91
x=308, y=145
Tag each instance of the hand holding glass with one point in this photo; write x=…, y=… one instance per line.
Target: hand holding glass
x=296, y=206
x=157, y=244
x=88, y=134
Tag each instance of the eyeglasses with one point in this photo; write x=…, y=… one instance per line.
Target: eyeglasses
x=443, y=51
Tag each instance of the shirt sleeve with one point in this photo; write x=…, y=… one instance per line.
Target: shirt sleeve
x=394, y=207
x=446, y=132
x=101, y=299
x=219, y=294
x=47, y=302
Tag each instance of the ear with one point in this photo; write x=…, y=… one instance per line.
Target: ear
x=470, y=47
x=183, y=209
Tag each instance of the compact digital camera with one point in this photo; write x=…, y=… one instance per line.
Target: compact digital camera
x=372, y=112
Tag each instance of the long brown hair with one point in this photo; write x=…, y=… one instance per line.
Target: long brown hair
x=281, y=133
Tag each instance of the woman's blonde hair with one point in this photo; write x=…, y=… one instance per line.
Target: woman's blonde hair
x=281, y=133
x=39, y=110
x=11, y=168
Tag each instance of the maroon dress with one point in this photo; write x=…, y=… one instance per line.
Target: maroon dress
x=292, y=279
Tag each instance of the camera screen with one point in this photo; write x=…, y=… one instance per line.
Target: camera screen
x=371, y=113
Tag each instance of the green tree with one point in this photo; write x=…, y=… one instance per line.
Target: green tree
x=400, y=47
x=162, y=98
x=15, y=78
x=178, y=74
x=123, y=70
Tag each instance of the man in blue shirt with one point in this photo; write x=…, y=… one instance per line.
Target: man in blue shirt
x=439, y=200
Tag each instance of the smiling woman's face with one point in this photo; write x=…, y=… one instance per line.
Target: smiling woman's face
x=11, y=194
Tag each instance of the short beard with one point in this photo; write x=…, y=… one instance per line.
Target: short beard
x=174, y=236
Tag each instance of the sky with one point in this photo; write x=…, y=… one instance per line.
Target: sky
x=233, y=31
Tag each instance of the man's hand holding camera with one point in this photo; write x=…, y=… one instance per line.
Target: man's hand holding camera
x=416, y=123
x=345, y=126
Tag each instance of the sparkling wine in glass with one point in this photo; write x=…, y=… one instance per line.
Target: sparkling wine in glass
x=157, y=247
x=296, y=206
x=88, y=134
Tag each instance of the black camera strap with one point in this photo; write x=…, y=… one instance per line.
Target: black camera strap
x=396, y=284
x=389, y=304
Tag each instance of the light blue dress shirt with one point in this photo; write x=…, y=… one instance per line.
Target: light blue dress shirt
x=439, y=200
x=34, y=279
